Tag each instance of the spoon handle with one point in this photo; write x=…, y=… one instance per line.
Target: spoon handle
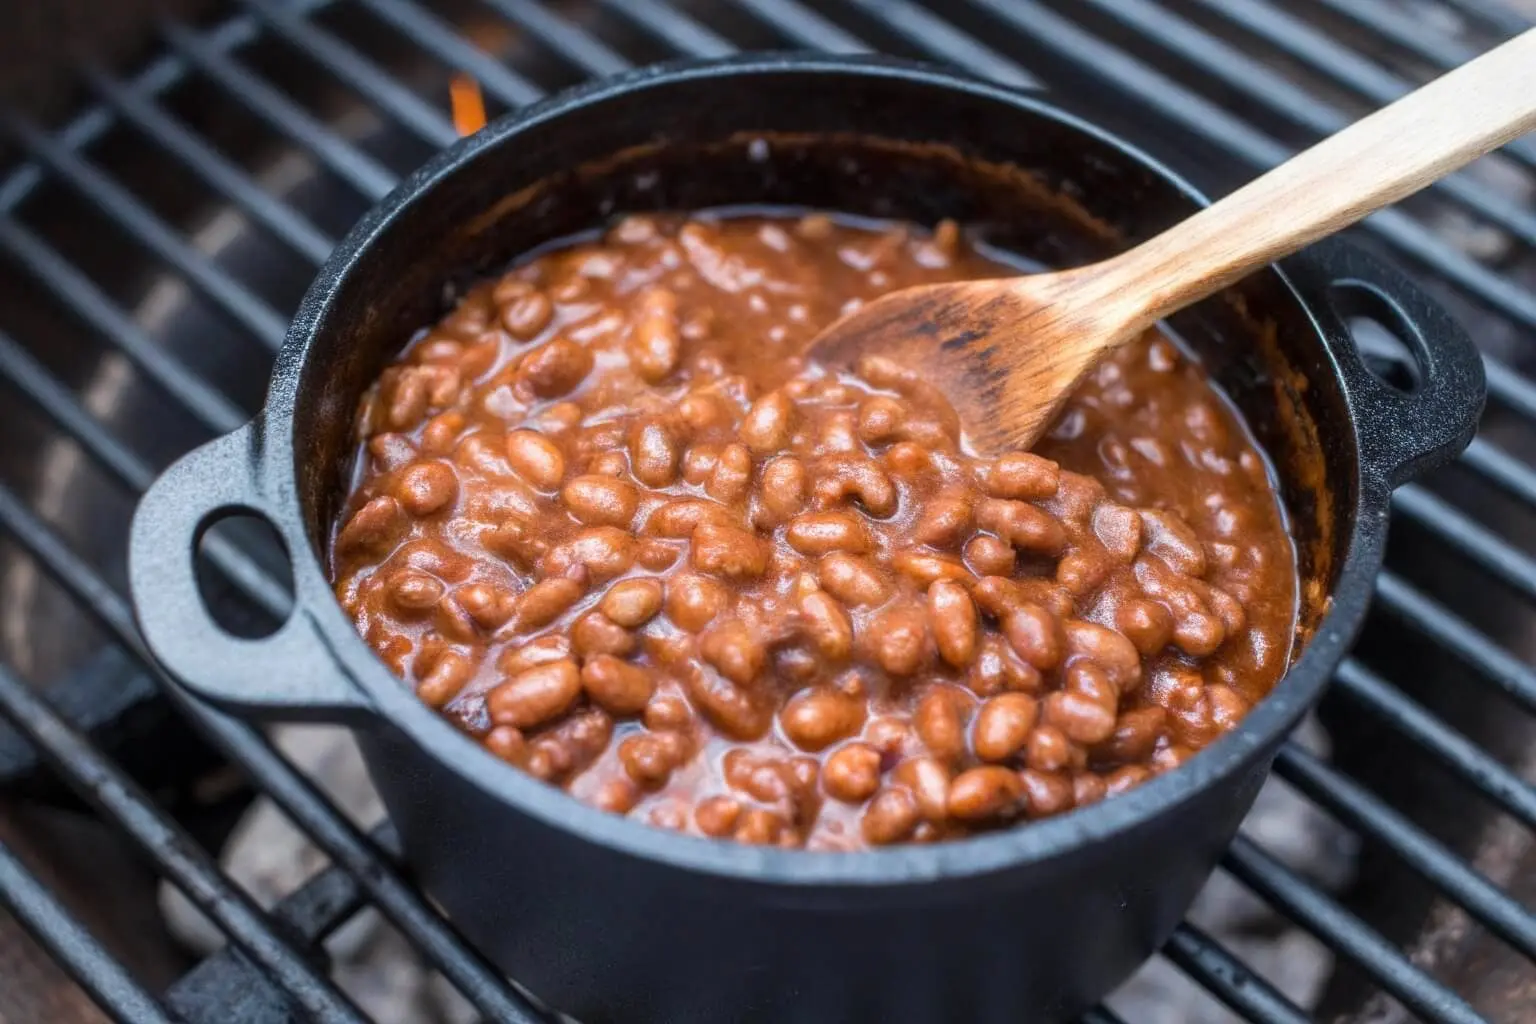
x=1376, y=161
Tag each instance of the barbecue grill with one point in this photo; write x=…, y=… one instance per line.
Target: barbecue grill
x=152, y=246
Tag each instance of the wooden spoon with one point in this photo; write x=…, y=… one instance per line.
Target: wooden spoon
x=1008, y=352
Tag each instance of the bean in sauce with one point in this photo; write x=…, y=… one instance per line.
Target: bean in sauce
x=608, y=521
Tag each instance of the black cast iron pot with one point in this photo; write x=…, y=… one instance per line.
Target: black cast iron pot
x=609, y=919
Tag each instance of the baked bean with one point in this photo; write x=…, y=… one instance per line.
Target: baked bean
x=535, y=458
x=1081, y=718
x=535, y=695
x=489, y=605
x=817, y=718
x=1023, y=526
x=953, y=617
x=600, y=500
x=717, y=816
x=412, y=592
x=1122, y=779
x=856, y=478
x=1045, y=793
x=647, y=758
x=1035, y=634
x=900, y=639
x=940, y=724
x=632, y=603
x=544, y=602
x=728, y=551
x=443, y=677
x=556, y=367
x=526, y=315
x=615, y=525
x=731, y=477
x=426, y=487
x=998, y=669
x=928, y=780
x=783, y=487
x=890, y=817
x=1136, y=735
x=852, y=773
x=985, y=793
x=944, y=520
x=1003, y=725
x=826, y=624
x=852, y=580
x=373, y=528
x=1147, y=624
x=595, y=633
x=1048, y=749
x=693, y=601
x=924, y=569
x=768, y=424
x=1023, y=476
x=736, y=711
x=733, y=651
x=820, y=533
x=1111, y=651
x=990, y=556
x=604, y=551
x=506, y=742
x=654, y=344
x=654, y=454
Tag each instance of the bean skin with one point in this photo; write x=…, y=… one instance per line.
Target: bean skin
x=632, y=603
x=1003, y=725
x=535, y=695
x=817, y=718
x=600, y=500
x=890, y=817
x=821, y=533
x=983, y=794
x=827, y=625
x=953, y=617
x=852, y=773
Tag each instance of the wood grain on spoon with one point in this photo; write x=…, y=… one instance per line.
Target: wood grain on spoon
x=1007, y=352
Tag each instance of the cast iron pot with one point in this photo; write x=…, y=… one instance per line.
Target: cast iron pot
x=610, y=919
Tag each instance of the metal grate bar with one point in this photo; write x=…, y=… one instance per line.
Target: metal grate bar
x=125, y=209
x=288, y=788
x=1503, y=470
x=1357, y=807
x=44, y=391
x=430, y=33
x=79, y=294
x=176, y=854
x=367, y=78
x=1338, y=62
x=1346, y=934
x=803, y=26
x=1094, y=61
x=1491, y=13
x=57, y=930
x=1439, y=50
x=581, y=49
x=1464, y=758
x=673, y=27
x=1229, y=979
x=282, y=220
x=349, y=163
x=1458, y=636
x=1470, y=538
x=938, y=38
x=1508, y=388
x=1252, y=79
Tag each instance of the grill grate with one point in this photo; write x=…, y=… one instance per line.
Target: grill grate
x=1224, y=87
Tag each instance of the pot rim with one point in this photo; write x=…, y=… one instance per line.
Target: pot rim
x=1016, y=847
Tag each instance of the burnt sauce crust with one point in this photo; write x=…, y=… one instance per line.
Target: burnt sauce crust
x=609, y=522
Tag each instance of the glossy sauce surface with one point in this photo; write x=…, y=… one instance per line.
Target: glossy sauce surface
x=610, y=523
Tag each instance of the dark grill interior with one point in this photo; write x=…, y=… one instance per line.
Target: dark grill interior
x=152, y=247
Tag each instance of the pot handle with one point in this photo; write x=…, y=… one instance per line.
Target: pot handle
x=1403, y=432
x=291, y=674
